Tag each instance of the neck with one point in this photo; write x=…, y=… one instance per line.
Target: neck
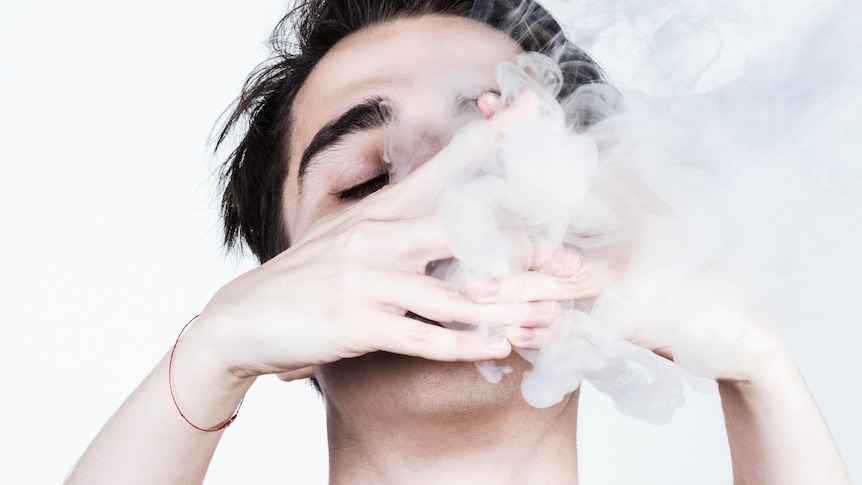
x=510, y=444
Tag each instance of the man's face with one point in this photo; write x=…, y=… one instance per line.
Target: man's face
x=428, y=70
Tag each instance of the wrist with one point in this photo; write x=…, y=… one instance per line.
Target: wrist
x=763, y=356
x=206, y=392
x=769, y=377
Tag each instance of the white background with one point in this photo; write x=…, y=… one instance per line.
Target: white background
x=110, y=243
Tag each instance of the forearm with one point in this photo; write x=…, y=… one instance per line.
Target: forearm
x=776, y=432
x=147, y=441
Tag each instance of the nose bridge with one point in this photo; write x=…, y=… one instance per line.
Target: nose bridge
x=419, y=130
x=408, y=146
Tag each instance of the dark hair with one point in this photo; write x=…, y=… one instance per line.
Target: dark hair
x=253, y=174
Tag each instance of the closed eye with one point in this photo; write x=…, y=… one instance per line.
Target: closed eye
x=363, y=190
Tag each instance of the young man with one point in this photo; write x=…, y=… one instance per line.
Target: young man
x=342, y=294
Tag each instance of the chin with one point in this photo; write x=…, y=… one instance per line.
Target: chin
x=389, y=386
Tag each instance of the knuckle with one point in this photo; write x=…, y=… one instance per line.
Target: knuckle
x=518, y=284
x=359, y=237
x=351, y=278
x=514, y=288
x=579, y=282
x=348, y=284
x=455, y=309
x=432, y=342
x=523, y=313
x=420, y=335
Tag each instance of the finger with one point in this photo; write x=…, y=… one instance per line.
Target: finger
x=531, y=339
x=296, y=374
x=531, y=286
x=405, y=336
x=562, y=262
x=488, y=103
x=438, y=301
x=599, y=275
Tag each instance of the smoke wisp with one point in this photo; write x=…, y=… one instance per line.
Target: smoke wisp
x=720, y=210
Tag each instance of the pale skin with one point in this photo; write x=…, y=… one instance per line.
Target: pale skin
x=417, y=412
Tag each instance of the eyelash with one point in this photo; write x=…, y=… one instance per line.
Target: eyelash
x=364, y=189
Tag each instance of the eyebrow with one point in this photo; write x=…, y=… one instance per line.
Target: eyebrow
x=365, y=116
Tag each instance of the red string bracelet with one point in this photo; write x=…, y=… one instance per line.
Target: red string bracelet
x=174, y=399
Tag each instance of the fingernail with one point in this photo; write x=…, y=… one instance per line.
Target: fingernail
x=487, y=288
x=488, y=98
x=488, y=102
x=569, y=261
x=498, y=343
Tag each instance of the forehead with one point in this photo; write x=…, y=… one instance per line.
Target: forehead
x=404, y=55
x=416, y=62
